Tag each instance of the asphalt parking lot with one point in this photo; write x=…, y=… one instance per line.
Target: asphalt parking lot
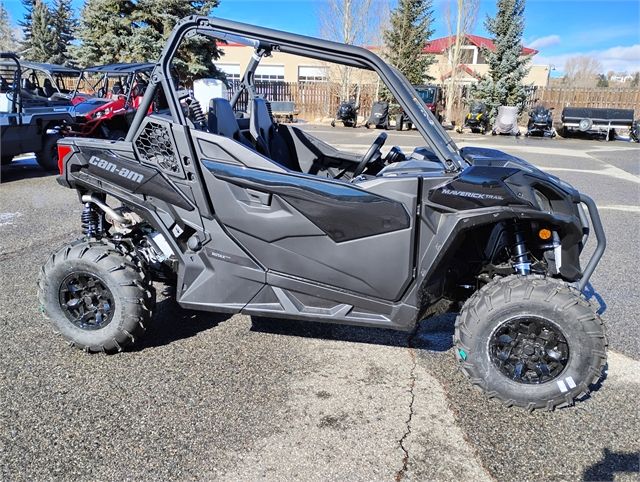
x=208, y=396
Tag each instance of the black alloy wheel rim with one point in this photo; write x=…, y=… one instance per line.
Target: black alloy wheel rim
x=86, y=301
x=529, y=350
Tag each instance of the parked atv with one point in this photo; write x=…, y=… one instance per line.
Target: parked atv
x=28, y=122
x=476, y=120
x=267, y=220
x=540, y=122
x=106, y=98
x=347, y=113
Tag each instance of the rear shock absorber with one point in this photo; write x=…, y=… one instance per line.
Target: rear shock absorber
x=521, y=264
x=91, y=221
x=197, y=114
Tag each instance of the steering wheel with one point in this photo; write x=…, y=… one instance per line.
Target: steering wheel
x=371, y=153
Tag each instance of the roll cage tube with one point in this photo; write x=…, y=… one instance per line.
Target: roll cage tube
x=16, y=104
x=285, y=42
x=247, y=82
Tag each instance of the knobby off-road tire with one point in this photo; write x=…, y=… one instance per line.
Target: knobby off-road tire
x=48, y=157
x=111, y=279
x=516, y=299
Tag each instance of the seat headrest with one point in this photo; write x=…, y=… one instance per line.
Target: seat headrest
x=222, y=120
x=260, y=113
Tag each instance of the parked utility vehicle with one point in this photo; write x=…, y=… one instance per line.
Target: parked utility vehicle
x=105, y=99
x=433, y=98
x=267, y=220
x=29, y=122
x=46, y=83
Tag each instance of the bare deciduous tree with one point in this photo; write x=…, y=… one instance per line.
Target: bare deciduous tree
x=460, y=17
x=354, y=22
x=8, y=41
x=582, y=71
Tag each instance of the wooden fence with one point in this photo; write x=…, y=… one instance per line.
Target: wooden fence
x=320, y=99
x=312, y=99
x=560, y=97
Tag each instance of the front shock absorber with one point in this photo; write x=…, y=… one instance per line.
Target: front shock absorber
x=91, y=220
x=521, y=263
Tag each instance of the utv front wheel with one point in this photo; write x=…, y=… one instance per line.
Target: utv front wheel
x=48, y=156
x=96, y=297
x=531, y=342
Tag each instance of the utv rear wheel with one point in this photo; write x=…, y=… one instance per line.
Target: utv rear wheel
x=530, y=341
x=97, y=297
x=48, y=156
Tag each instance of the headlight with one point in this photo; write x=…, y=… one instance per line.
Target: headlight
x=101, y=113
x=542, y=200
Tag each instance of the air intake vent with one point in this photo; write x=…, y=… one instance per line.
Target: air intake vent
x=155, y=146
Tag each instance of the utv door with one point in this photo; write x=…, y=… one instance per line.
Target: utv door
x=355, y=237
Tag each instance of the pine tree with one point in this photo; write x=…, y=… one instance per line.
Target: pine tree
x=8, y=42
x=503, y=85
x=25, y=23
x=602, y=81
x=37, y=47
x=155, y=20
x=411, y=29
x=105, y=32
x=63, y=23
x=126, y=31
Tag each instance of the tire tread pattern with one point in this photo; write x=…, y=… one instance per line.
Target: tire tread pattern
x=124, y=265
x=501, y=291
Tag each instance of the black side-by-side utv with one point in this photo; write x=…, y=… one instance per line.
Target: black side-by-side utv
x=246, y=216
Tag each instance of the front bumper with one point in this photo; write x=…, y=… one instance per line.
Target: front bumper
x=601, y=240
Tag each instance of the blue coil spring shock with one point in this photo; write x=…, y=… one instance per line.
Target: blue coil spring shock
x=90, y=219
x=521, y=264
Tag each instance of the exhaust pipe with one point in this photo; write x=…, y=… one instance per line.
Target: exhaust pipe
x=90, y=198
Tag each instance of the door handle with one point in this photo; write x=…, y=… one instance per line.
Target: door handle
x=257, y=197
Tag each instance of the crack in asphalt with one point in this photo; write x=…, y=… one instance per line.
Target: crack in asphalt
x=412, y=384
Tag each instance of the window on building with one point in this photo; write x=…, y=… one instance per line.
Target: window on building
x=270, y=73
x=232, y=71
x=312, y=74
x=466, y=55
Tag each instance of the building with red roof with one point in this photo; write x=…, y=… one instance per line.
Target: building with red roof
x=473, y=64
x=291, y=68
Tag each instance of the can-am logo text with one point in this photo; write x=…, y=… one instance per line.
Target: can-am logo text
x=120, y=171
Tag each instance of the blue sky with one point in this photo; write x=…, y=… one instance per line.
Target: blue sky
x=606, y=29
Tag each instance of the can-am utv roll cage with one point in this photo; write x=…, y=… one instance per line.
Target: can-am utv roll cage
x=266, y=40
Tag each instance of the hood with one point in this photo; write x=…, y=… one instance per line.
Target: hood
x=485, y=157
x=89, y=105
